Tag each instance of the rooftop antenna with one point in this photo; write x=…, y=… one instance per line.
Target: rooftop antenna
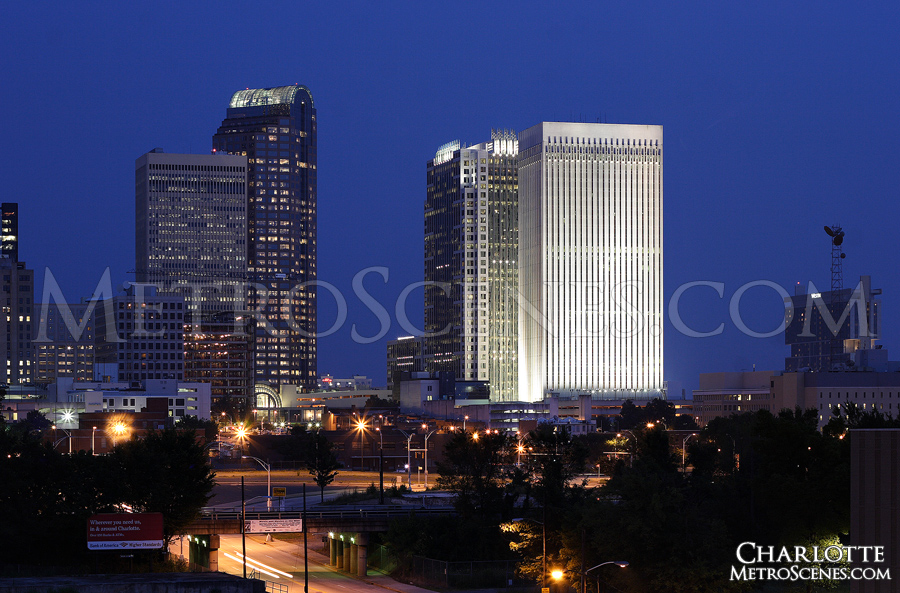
x=837, y=285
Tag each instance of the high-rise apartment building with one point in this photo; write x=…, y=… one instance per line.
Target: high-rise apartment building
x=191, y=227
x=17, y=301
x=275, y=128
x=471, y=263
x=59, y=353
x=591, y=260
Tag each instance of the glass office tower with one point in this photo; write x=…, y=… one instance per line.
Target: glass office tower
x=471, y=250
x=275, y=128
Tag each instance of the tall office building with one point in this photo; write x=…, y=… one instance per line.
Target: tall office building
x=191, y=227
x=17, y=301
x=471, y=249
x=150, y=336
x=590, y=260
x=275, y=128
x=404, y=355
x=855, y=324
x=9, y=224
x=59, y=353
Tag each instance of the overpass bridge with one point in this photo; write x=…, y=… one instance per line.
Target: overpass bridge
x=348, y=528
x=346, y=518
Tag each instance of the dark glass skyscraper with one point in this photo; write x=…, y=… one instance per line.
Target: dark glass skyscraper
x=275, y=128
x=9, y=243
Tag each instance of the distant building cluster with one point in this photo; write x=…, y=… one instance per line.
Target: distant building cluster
x=543, y=275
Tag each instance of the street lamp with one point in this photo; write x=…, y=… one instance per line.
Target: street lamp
x=425, y=427
x=93, y=432
x=118, y=429
x=380, y=462
x=361, y=430
x=464, y=422
x=557, y=574
x=268, y=469
x=409, y=437
x=684, y=451
x=544, y=544
x=68, y=436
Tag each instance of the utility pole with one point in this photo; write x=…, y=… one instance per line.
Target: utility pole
x=243, y=528
x=305, y=546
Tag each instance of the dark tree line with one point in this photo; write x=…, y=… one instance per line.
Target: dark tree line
x=46, y=496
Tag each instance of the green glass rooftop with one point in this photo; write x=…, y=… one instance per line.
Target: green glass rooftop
x=280, y=95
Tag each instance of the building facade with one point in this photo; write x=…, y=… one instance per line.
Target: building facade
x=724, y=394
x=191, y=228
x=9, y=225
x=471, y=263
x=405, y=354
x=218, y=349
x=591, y=260
x=275, y=128
x=59, y=353
x=853, y=323
x=17, y=300
x=150, y=336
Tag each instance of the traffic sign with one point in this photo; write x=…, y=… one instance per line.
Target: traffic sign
x=282, y=492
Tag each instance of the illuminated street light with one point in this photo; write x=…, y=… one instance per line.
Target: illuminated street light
x=684, y=450
x=118, y=429
x=268, y=469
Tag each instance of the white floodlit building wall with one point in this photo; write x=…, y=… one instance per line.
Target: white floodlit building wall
x=590, y=260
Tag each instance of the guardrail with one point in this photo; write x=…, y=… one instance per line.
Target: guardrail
x=333, y=513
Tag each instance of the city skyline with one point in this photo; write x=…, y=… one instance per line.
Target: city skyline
x=753, y=100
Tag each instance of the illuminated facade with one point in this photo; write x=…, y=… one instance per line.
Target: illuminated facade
x=150, y=330
x=471, y=247
x=591, y=261
x=275, y=128
x=191, y=227
x=9, y=224
x=404, y=355
x=17, y=300
x=218, y=349
x=59, y=353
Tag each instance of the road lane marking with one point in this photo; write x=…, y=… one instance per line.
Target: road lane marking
x=271, y=574
x=281, y=572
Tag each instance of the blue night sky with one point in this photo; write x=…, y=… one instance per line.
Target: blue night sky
x=777, y=120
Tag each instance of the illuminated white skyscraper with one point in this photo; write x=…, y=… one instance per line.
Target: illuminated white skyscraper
x=590, y=260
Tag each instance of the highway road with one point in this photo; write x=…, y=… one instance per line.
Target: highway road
x=282, y=563
x=227, y=490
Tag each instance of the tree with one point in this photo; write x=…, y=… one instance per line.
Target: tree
x=167, y=472
x=630, y=415
x=659, y=410
x=36, y=422
x=209, y=428
x=321, y=462
x=472, y=470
